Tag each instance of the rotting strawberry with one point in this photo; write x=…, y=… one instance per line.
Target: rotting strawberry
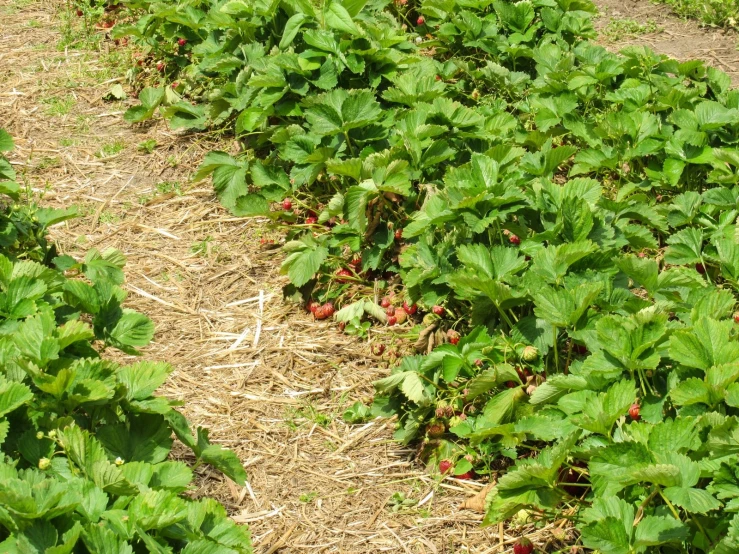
x=435, y=430
x=513, y=239
x=445, y=466
x=700, y=268
x=399, y=234
x=634, y=411
x=438, y=310
x=410, y=310
x=377, y=348
x=421, y=20
x=523, y=546
x=287, y=204
x=80, y=13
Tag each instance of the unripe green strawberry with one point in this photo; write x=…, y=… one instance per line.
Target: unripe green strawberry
x=44, y=463
x=530, y=354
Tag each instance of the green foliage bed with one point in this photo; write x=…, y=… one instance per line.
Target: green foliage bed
x=572, y=212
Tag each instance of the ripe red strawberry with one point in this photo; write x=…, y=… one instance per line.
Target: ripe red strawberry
x=410, y=310
x=325, y=311
x=390, y=311
x=445, y=466
x=385, y=302
x=580, y=349
x=634, y=411
x=438, y=77
x=466, y=475
x=399, y=234
x=523, y=546
x=511, y=384
x=700, y=268
x=80, y=13
x=287, y=204
x=175, y=85
x=438, y=310
x=453, y=336
x=182, y=41
x=356, y=263
x=421, y=20
x=313, y=306
x=736, y=317
x=342, y=275
x=160, y=67
x=513, y=239
x=311, y=220
x=392, y=320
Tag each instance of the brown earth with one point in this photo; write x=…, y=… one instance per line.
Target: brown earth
x=683, y=39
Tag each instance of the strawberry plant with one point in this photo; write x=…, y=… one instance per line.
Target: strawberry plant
x=565, y=219
x=84, y=441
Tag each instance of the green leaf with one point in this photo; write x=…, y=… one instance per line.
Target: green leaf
x=143, y=378
x=338, y=18
x=13, y=395
x=292, y=27
x=657, y=530
x=132, y=329
x=6, y=141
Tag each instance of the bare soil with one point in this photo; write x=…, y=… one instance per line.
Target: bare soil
x=683, y=39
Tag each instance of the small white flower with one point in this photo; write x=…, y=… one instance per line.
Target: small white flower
x=119, y=461
x=419, y=40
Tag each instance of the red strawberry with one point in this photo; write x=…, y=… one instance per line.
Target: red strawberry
x=410, y=310
x=736, y=317
x=641, y=255
x=421, y=20
x=438, y=310
x=313, y=306
x=160, y=67
x=311, y=220
x=342, y=326
x=445, y=466
x=80, y=13
x=438, y=77
x=513, y=239
x=287, y=205
x=175, y=85
x=385, y=302
x=523, y=546
x=108, y=24
x=399, y=234
x=634, y=411
x=342, y=275
x=580, y=349
x=466, y=476
x=325, y=311
x=356, y=263
x=478, y=362
x=511, y=384
x=392, y=320
x=390, y=311
x=700, y=268
x=453, y=336
x=182, y=42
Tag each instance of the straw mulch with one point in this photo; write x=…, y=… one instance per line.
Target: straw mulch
x=268, y=381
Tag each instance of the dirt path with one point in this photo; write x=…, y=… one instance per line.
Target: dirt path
x=683, y=39
x=268, y=381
